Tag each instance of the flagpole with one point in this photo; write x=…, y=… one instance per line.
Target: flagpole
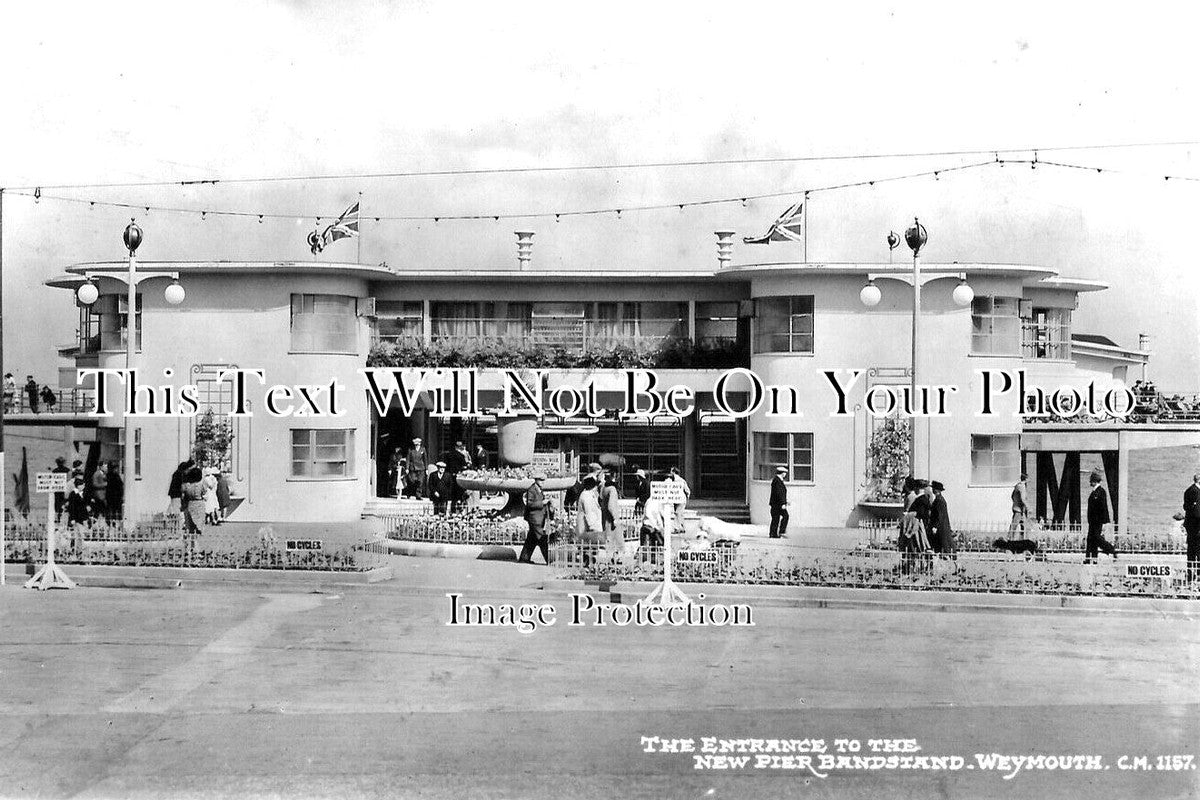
x=358, y=259
x=806, y=227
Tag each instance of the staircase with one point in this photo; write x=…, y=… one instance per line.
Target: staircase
x=725, y=510
x=391, y=506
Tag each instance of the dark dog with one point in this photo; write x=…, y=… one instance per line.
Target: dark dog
x=1026, y=547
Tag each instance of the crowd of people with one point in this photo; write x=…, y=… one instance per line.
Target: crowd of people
x=89, y=498
x=33, y=396
x=595, y=500
x=411, y=474
x=925, y=529
x=200, y=494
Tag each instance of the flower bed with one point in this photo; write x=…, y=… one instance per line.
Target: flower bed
x=875, y=569
x=360, y=557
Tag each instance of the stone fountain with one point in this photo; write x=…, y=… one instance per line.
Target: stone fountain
x=515, y=438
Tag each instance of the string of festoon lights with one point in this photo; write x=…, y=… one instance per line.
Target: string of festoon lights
x=204, y=213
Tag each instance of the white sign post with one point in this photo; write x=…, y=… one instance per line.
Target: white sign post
x=50, y=576
x=668, y=493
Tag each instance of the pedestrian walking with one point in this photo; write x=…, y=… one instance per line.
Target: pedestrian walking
x=441, y=489
x=913, y=540
x=1020, y=509
x=415, y=461
x=76, y=505
x=222, y=496
x=193, y=500
x=589, y=519
x=641, y=491
x=943, y=533
x=1191, y=527
x=536, y=514
x=99, y=484
x=114, y=495
x=175, y=488
x=650, y=534
x=674, y=476
x=60, y=498
x=1097, y=517
x=610, y=514
x=779, y=505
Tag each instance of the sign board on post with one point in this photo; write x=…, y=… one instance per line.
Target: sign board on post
x=51, y=481
x=1149, y=571
x=551, y=463
x=667, y=492
x=303, y=544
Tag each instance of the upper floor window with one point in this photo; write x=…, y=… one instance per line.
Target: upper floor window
x=716, y=320
x=995, y=326
x=1047, y=334
x=324, y=323
x=400, y=321
x=783, y=324
x=104, y=324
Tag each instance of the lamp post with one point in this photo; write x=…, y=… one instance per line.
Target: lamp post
x=915, y=237
x=870, y=295
x=87, y=294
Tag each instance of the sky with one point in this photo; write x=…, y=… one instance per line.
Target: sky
x=117, y=92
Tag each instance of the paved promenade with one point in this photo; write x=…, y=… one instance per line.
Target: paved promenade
x=366, y=692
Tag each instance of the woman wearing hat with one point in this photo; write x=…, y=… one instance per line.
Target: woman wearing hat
x=192, y=496
x=914, y=524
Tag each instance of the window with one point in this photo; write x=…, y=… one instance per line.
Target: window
x=399, y=321
x=324, y=323
x=106, y=322
x=716, y=321
x=463, y=320
x=319, y=453
x=995, y=326
x=793, y=451
x=1047, y=334
x=784, y=325
x=137, y=453
x=995, y=460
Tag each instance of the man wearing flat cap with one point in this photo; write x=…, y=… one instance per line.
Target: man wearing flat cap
x=942, y=537
x=441, y=488
x=535, y=516
x=779, y=505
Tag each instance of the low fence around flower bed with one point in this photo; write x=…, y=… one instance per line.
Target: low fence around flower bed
x=162, y=542
x=870, y=568
x=476, y=528
x=1165, y=539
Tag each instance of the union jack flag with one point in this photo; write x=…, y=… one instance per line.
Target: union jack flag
x=788, y=228
x=344, y=227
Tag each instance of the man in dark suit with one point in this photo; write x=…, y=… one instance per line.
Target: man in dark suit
x=415, y=461
x=943, y=535
x=1191, y=526
x=535, y=517
x=778, y=503
x=441, y=488
x=1097, y=518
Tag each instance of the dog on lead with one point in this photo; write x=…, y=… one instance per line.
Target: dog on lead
x=1025, y=547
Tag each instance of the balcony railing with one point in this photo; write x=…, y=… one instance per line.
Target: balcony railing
x=570, y=334
x=66, y=401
